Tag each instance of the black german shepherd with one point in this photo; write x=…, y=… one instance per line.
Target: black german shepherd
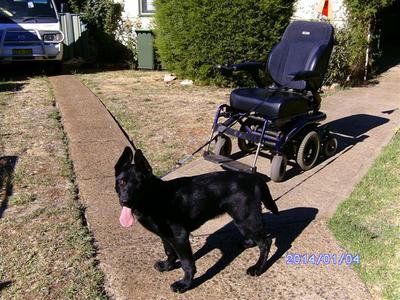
x=172, y=209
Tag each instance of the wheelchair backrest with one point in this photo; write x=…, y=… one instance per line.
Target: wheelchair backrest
x=305, y=46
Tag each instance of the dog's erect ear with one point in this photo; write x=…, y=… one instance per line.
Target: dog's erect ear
x=141, y=162
x=126, y=158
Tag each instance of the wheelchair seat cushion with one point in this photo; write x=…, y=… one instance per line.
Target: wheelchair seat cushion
x=270, y=103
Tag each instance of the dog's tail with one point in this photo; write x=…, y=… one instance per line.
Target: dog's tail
x=268, y=201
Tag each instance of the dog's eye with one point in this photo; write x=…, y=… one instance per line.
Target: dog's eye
x=122, y=182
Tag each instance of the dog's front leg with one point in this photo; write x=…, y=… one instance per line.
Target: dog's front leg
x=170, y=263
x=184, y=250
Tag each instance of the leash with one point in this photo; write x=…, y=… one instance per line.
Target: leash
x=116, y=121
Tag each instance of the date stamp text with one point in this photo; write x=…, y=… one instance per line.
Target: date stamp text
x=322, y=259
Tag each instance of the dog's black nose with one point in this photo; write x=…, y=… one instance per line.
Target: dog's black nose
x=123, y=202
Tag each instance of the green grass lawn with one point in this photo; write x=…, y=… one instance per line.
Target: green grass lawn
x=368, y=223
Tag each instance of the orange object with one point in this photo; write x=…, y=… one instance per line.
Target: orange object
x=325, y=9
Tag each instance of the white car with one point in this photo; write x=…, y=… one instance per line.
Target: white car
x=30, y=31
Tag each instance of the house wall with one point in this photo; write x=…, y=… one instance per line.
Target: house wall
x=312, y=10
x=132, y=12
x=304, y=10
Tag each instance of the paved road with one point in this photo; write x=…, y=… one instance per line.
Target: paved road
x=364, y=119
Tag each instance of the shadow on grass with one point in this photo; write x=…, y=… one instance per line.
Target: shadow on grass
x=5, y=284
x=7, y=167
x=285, y=228
x=94, y=68
x=24, y=70
x=11, y=87
x=19, y=71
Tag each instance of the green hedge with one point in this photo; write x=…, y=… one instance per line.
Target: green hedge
x=193, y=35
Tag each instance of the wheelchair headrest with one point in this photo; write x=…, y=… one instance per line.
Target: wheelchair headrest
x=305, y=46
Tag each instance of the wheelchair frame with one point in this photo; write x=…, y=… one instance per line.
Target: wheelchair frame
x=283, y=144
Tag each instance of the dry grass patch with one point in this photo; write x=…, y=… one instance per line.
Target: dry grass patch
x=168, y=121
x=45, y=250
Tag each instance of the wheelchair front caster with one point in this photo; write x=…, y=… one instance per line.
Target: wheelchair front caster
x=330, y=146
x=308, y=152
x=223, y=146
x=278, y=167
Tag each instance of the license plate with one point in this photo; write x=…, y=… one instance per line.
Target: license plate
x=22, y=51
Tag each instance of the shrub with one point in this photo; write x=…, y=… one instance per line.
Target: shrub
x=103, y=15
x=127, y=35
x=339, y=68
x=193, y=35
x=103, y=18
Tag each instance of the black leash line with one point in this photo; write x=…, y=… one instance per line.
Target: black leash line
x=116, y=121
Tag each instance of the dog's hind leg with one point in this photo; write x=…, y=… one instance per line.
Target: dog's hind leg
x=170, y=263
x=264, y=244
x=252, y=229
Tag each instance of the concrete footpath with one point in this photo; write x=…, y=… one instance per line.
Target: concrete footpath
x=364, y=120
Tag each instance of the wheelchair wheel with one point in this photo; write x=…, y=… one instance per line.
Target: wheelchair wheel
x=330, y=146
x=246, y=146
x=278, y=167
x=223, y=146
x=308, y=152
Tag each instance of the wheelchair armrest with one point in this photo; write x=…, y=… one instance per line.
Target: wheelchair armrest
x=252, y=67
x=310, y=77
x=249, y=66
x=225, y=70
x=305, y=75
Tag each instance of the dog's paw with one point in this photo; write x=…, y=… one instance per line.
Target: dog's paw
x=179, y=286
x=254, y=271
x=163, y=266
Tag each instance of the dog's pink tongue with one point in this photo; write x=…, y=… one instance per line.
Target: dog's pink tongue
x=126, y=218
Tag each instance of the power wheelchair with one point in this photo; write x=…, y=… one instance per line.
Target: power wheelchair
x=284, y=118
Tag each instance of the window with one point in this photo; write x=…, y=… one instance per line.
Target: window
x=147, y=7
x=27, y=9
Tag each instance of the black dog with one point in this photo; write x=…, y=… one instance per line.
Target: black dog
x=172, y=209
